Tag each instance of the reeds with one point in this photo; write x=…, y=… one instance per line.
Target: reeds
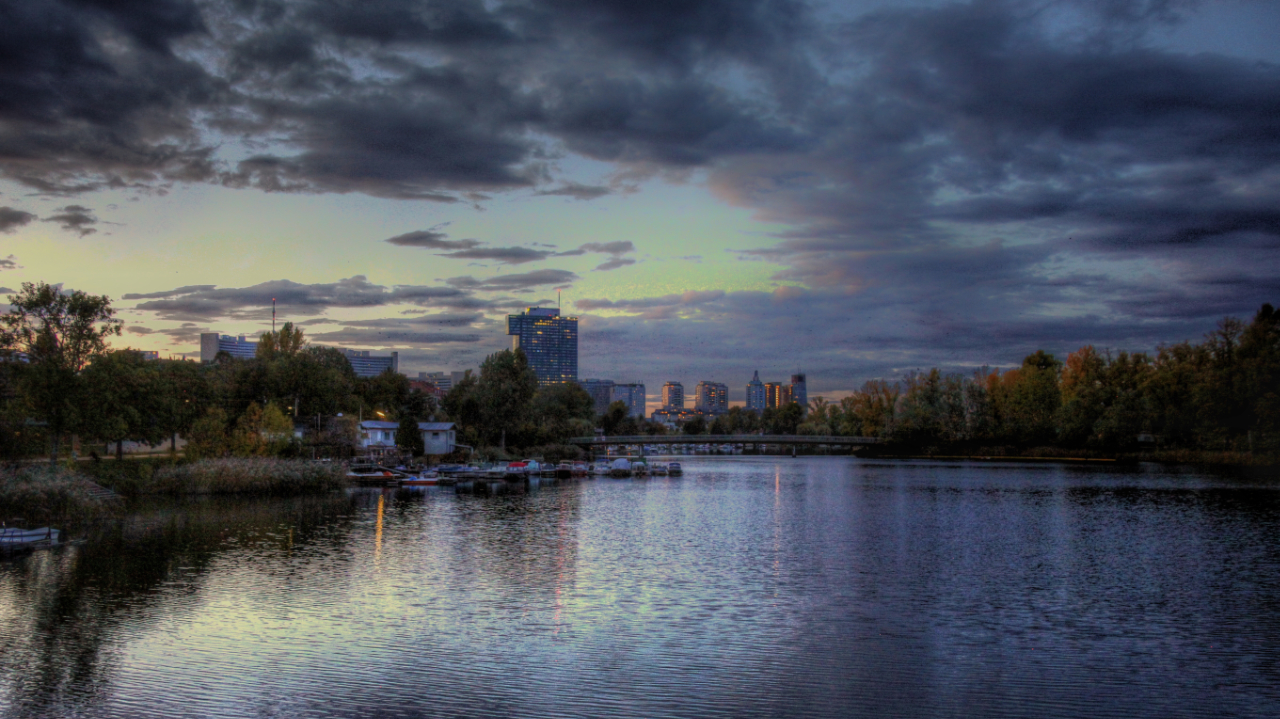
x=256, y=475
x=41, y=494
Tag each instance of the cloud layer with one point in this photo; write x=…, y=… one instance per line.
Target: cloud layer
x=955, y=180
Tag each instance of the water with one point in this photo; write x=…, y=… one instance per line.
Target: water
x=751, y=587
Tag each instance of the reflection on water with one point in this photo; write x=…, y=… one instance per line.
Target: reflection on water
x=751, y=587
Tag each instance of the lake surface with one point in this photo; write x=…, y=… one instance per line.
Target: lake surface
x=751, y=587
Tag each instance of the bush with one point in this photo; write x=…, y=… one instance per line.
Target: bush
x=249, y=476
x=47, y=495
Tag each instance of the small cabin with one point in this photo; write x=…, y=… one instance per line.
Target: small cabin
x=375, y=433
x=438, y=437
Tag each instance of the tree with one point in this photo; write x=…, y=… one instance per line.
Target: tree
x=562, y=410
x=408, y=437
x=285, y=343
x=696, y=425
x=60, y=333
x=505, y=389
x=122, y=395
x=208, y=436
x=614, y=421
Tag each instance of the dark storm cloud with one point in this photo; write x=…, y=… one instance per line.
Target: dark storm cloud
x=94, y=96
x=8, y=263
x=75, y=218
x=11, y=219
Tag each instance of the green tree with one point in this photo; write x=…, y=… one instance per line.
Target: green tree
x=616, y=419
x=696, y=425
x=1031, y=399
x=560, y=411
x=505, y=390
x=287, y=342
x=121, y=398
x=208, y=436
x=408, y=437
x=60, y=333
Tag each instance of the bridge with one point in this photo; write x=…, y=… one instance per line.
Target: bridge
x=792, y=440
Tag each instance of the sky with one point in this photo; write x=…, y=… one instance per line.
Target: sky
x=853, y=190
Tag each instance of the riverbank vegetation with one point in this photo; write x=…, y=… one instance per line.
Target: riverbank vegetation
x=1217, y=400
x=45, y=495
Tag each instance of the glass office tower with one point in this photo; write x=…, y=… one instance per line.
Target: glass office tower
x=549, y=341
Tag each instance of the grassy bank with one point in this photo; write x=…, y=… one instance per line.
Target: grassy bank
x=247, y=476
x=44, y=495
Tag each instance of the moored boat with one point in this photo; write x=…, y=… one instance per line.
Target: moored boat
x=620, y=467
x=425, y=479
x=674, y=469
x=15, y=539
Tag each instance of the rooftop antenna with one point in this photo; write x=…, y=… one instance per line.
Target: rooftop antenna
x=557, y=298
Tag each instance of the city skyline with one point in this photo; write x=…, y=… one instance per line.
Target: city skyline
x=857, y=189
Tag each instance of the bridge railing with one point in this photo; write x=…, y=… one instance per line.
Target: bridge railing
x=721, y=439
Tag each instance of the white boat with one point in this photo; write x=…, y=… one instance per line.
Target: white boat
x=620, y=467
x=12, y=538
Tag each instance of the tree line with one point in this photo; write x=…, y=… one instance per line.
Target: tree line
x=61, y=379
x=1220, y=394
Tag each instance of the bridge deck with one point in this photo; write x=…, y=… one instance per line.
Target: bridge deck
x=723, y=439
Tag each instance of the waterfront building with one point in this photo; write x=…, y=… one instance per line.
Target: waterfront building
x=377, y=433
x=711, y=398
x=549, y=341
x=438, y=437
x=367, y=365
x=632, y=395
x=444, y=381
x=800, y=391
x=211, y=343
x=777, y=394
x=757, y=398
x=673, y=395
x=601, y=391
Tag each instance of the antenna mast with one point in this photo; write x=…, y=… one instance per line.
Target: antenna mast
x=273, y=315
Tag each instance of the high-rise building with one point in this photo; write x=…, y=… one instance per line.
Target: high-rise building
x=777, y=394
x=757, y=398
x=601, y=391
x=673, y=395
x=800, y=392
x=711, y=398
x=632, y=395
x=367, y=365
x=444, y=381
x=549, y=341
x=211, y=343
